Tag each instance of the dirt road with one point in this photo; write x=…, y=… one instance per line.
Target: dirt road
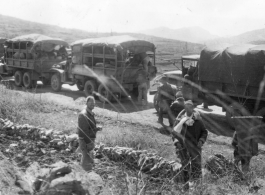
x=129, y=109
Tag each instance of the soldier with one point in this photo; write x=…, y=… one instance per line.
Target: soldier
x=190, y=134
x=176, y=107
x=166, y=95
x=142, y=80
x=187, y=88
x=87, y=130
x=245, y=141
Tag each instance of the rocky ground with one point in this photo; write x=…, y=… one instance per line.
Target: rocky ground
x=124, y=169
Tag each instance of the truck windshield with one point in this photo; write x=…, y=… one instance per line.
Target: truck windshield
x=188, y=63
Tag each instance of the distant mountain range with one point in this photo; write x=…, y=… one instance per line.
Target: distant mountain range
x=190, y=34
x=167, y=50
x=199, y=35
x=254, y=37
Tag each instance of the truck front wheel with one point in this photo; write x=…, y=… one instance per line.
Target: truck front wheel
x=56, y=83
x=18, y=78
x=104, y=93
x=90, y=87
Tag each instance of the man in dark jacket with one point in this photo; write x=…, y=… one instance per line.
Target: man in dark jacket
x=87, y=130
x=244, y=140
x=166, y=95
x=176, y=107
x=191, y=134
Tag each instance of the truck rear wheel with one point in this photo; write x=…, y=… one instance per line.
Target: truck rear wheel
x=27, y=81
x=56, y=83
x=18, y=78
x=90, y=87
x=104, y=93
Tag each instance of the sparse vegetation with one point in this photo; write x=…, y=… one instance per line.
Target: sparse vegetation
x=31, y=108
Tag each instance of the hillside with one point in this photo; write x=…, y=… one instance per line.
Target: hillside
x=254, y=37
x=190, y=34
x=167, y=49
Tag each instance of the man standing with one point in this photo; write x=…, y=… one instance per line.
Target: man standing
x=87, y=130
x=191, y=134
x=245, y=140
x=175, y=108
x=166, y=95
x=142, y=80
x=187, y=87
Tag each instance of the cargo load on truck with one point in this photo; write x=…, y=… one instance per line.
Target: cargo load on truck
x=110, y=65
x=32, y=57
x=235, y=70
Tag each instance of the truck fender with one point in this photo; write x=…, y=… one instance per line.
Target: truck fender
x=59, y=71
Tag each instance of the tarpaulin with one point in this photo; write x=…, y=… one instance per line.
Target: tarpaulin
x=237, y=64
x=40, y=42
x=123, y=42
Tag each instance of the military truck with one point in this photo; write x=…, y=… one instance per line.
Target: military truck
x=31, y=58
x=108, y=66
x=231, y=76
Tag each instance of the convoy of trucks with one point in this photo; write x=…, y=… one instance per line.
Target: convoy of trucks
x=106, y=66
x=228, y=76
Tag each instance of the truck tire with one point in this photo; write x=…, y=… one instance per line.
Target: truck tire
x=27, y=81
x=80, y=86
x=104, y=94
x=156, y=105
x=56, y=83
x=18, y=78
x=90, y=87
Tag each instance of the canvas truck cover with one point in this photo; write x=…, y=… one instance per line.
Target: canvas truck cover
x=43, y=42
x=237, y=64
x=121, y=43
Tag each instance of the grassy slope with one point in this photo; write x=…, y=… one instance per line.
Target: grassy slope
x=28, y=108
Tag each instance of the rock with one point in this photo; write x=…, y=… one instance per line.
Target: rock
x=71, y=138
x=257, y=185
x=218, y=165
x=53, y=151
x=71, y=180
x=24, y=185
x=9, y=183
x=19, y=157
x=40, y=144
x=49, y=133
x=55, y=140
x=13, y=145
x=213, y=190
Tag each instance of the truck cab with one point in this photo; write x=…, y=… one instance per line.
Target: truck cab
x=189, y=65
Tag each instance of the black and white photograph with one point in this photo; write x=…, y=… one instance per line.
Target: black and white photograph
x=132, y=97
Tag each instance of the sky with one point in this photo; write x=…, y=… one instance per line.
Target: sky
x=219, y=17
